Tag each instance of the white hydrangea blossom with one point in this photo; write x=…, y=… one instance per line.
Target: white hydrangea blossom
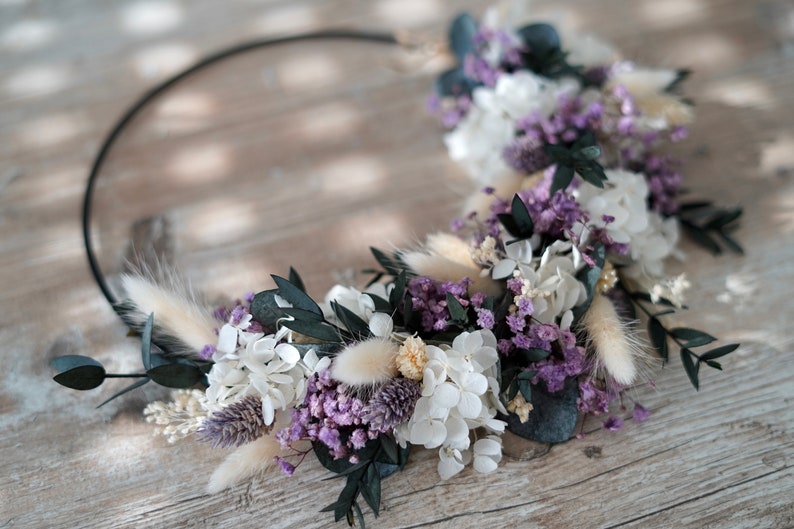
x=623, y=198
x=360, y=304
x=249, y=363
x=652, y=246
x=459, y=394
x=650, y=237
x=549, y=280
x=479, y=139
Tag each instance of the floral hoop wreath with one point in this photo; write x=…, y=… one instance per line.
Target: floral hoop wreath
x=525, y=317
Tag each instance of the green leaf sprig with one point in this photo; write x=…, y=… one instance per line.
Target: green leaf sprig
x=686, y=338
x=580, y=158
x=709, y=225
x=84, y=373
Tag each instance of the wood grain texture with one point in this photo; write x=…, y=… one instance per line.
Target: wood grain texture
x=308, y=154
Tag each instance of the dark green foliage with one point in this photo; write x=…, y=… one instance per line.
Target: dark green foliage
x=518, y=222
x=378, y=459
x=580, y=158
x=686, y=338
x=709, y=225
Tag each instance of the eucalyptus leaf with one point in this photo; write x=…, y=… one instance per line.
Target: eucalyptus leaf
x=67, y=362
x=658, y=336
x=176, y=375
x=521, y=216
x=82, y=377
x=381, y=305
x=303, y=315
x=352, y=321
x=689, y=334
x=690, y=367
x=317, y=330
x=461, y=35
x=541, y=39
x=371, y=490
x=295, y=279
x=146, y=342
x=587, y=153
x=296, y=296
x=563, y=176
x=457, y=312
x=713, y=364
x=398, y=292
x=719, y=352
x=265, y=309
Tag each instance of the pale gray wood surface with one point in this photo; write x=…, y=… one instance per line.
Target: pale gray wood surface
x=306, y=156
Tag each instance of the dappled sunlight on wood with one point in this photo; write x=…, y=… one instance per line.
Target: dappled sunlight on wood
x=186, y=111
x=672, y=13
x=406, y=13
x=705, y=51
x=150, y=17
x=351, y=178
x=327, y=123
x=201, y=163
x=28, y=34
x=285, y=18
x=52, y=129
x=38, y=81
x=741, y=92
x=160, y=60
x=218, y=222
x=309, y=72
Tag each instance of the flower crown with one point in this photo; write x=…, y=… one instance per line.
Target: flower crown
x=525, y=317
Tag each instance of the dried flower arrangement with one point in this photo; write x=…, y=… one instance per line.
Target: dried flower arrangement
x=524, y=317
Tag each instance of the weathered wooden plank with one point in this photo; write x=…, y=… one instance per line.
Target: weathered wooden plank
x=717, y=458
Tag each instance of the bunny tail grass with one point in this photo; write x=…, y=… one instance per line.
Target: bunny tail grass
x=617, y=349
x=243, y=463
x=178, y=312
x=366, y=363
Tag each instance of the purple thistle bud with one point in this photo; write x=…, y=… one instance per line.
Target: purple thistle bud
x=526, y=155
x=393, y=404
x=235, y=425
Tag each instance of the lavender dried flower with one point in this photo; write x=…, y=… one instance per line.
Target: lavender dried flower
x=393, y=404
x=235, y=425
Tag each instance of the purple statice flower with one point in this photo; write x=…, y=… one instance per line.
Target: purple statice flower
x=591, y=399
x=525, y=307
x=207, y=351
x=285, y=466
x=554, y=370
x=392, y=405
x=328, y=416
x=679, y=133
x=235, y=425
x=480, y=70
x=504, y=346
x=640, y=413
x=664, y=182
x=485, y=319
x=429, y=298
x=238, y=313
x=449, y=110
x=613, y=424
x=516, y=323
